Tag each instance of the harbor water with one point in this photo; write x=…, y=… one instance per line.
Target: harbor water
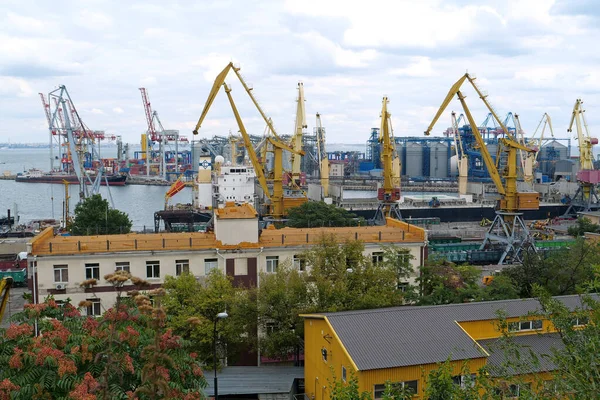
x=44, y=200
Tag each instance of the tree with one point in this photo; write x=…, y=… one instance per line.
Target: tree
x=93, y=217
x=560, y=273
x=446, y=282
x=582, y=226
x=127, y=353
x=317, y=213
x=193, y=306
x=282, y=297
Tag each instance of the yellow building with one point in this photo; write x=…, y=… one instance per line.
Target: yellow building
x=403, y=344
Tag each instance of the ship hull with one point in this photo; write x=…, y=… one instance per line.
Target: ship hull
x=113, y=180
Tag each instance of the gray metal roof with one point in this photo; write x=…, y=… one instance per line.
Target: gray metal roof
x=501, y=362
x=415, y=335
x=253, y=380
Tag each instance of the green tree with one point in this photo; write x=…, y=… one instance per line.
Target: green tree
x=560, y=273
x=582, y=226
x=317, y=213
x=282, y=297
x=445, y=282
x=193, y=306
x=127, y=353
x=93, y=216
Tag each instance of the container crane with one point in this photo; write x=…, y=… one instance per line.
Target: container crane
x=278, y=203
x=586, y=197
x=296, y=142
x=462, y=161
x=323, y=157
x=508, y=228
x=389, y=194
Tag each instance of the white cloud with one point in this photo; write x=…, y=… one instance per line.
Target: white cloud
x=96, y=111
x=10, y=86
x=418, y=67
x=118, y=110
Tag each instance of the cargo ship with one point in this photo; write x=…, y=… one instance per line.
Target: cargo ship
x=37, y=176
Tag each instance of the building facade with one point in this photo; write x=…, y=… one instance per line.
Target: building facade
x=236, y=247
x=401, y=345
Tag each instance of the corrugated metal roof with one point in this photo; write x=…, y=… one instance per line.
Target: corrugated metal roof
x=501, y=363
x=253, y=380
x=415, y=335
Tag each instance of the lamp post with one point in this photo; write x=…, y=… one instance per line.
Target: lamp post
x=221, y=315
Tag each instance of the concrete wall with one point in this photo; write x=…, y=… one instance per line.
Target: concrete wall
x=235, y=231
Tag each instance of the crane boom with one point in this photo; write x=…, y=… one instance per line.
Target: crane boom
x=296, y=142
x=586, y=157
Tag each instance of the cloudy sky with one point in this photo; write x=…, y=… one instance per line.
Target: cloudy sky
x=531, y=56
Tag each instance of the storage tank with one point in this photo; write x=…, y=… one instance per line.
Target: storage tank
x=550, y=153
x=197, y=151
x=438, y=160
x=414, y=160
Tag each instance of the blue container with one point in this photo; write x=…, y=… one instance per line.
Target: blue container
x=366, y=166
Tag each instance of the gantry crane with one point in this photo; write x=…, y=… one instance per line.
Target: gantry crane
x=586, y=197
x=462, y=161
x=389, y=193
x=323, y=157
x=278, y=203
x=535, y=143
x=296, y=143
x=508, y=228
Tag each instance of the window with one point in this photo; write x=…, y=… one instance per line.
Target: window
x=272, y=263
x=513, y=391
x=92, y=271
x=377, y=257
x=182, y=267
x=464, y=381
x=122, y=266
x=94, y=308
x=210, y=264
x=343, y=373
x=61, y=274
x=270, y=327
x=403, y=286
x=299, y=262
x=535, y=324
x=324, y=354
x=152, y=269
x=577, y=321
x=411, y=386
x=403, y=256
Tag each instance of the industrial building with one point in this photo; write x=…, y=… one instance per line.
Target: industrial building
x=237, y=247
x=401, y=345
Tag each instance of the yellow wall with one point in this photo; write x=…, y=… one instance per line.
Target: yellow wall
x=488, y=329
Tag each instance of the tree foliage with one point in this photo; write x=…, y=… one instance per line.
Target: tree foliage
x=582, y=226
x=93, y=216
x=318, y=213
x=193, y=306
x=127, y=353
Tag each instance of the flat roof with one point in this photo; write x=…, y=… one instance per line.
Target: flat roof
x=253, y=380
x=46, y=243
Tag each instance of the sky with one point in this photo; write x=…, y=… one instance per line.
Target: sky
x=530, y=56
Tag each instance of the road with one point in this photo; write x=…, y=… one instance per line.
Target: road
x=15, y=305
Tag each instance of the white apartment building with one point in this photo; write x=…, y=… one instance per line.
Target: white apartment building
x=236, y=247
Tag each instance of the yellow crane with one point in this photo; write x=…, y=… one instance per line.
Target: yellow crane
x=389, y=193
x=586, y=197
x=5, y=285
x=323, y=158
x=296, y=142
x=278, y=203
x=508, y=227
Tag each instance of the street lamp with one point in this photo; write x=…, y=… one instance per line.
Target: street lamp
x=221, y=315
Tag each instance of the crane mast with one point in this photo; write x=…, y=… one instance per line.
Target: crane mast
x=461, y=158
x=586, y=198
x=296, y=144
x=389, y=193
x=508, y=227
x=323, y=158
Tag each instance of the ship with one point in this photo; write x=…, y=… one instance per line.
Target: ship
x=37, y=176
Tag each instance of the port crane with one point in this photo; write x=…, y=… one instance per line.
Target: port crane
x=389, y=194
x=586, y=197
x=323, y=158
x=530, y=162
x=508, y=228
x=5, y=285
x=278, y=202
x=296, y=142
